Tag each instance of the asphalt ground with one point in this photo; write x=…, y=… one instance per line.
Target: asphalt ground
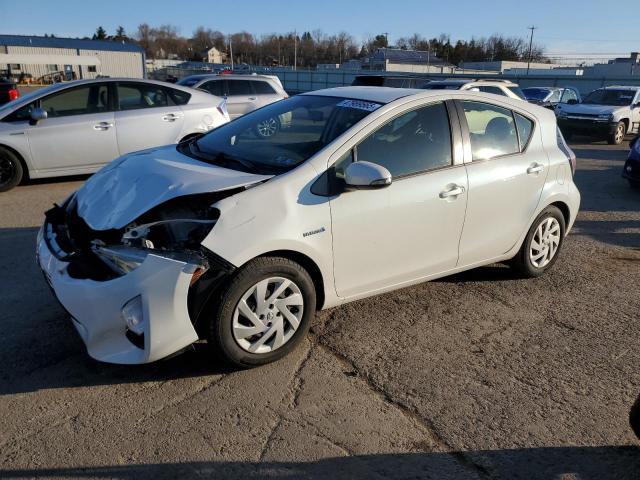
x=480, y=375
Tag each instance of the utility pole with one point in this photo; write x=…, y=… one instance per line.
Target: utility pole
x=532, y=28
x=295, y=49
x=386, y=38
x=231, y=51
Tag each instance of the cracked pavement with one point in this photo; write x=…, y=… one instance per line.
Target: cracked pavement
x=479, y=376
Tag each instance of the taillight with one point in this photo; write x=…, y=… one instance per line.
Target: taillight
x=13, y=94
x=570, y=154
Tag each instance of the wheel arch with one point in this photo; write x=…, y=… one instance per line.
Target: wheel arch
x=309, y=265
x=26, y=173
x=626, y=124
x=564, y=208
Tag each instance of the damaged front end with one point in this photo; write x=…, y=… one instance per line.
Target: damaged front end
x=172, y=230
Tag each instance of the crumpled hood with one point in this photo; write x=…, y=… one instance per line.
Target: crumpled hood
x=586, y=109
x=135, y=183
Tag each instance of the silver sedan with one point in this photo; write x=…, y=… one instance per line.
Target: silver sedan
x=77, y=127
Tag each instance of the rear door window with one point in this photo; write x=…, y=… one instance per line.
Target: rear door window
x=133, y=96
x=492, y=130
x=239, y=87
x=178, y=96
x=214, y=87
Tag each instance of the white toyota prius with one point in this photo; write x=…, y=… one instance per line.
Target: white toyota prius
x=238, y=239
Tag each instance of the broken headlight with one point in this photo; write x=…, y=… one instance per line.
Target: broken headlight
x=120, y=259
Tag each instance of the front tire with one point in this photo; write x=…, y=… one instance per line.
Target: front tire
x=263, y=313
x=617, y=137
x=11, y=171
x=542, y=244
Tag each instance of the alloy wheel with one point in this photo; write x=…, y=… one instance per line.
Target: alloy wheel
x=267, y=315
x=545, y=242
x=267, y=128
x=620, y=133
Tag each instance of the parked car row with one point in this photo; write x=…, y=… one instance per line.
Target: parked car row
x=239, y=238
x=78, y=127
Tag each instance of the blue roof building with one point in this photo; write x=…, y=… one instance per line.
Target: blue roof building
x=44, y=59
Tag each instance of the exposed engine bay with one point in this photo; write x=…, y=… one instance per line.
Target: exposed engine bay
x=172, y=229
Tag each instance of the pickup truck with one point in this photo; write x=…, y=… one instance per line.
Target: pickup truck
x=606, y=113
x=8, y=91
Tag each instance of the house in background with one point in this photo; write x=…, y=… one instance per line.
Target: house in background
x=213, y=55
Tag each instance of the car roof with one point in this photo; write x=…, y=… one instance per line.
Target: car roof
x=231, y=76
x=620, y=87
x=369, y=94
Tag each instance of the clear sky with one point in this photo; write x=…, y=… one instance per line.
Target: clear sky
x=582, y=26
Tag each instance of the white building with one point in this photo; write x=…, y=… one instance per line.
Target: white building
x=213, y=55
x=43, y=58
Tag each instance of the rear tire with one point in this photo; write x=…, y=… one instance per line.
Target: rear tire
x=11, y=171
x=239, y=322
x=542, y=244
x=617, y=137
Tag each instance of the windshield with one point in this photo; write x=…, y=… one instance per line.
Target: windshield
x=535, y=93
x=618, y=98
x=188, y=82
x=26, y=98
x=280, y=136
x=517, y=91
x=442, y=86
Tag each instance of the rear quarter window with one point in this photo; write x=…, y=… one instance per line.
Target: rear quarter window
x=525, y=129
x=263, y=88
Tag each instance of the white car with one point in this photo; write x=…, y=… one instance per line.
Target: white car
x=244, y=93
x=239, y=239
x=77, y=127
x=505, y=88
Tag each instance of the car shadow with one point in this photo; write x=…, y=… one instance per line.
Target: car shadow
x=52, y=180
x=579, y=463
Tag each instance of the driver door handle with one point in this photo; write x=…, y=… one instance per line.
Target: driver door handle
x=452, y=192
x=535, y=169
x=103, y=126
x=252, y=98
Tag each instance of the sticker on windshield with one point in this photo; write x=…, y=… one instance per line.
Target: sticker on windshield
x=359, y=104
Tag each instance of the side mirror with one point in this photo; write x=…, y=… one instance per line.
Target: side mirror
x=37, y=114
x=366, y=175
x=572, y=101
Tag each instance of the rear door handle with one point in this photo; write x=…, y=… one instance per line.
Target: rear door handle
x=103, y=126
x=252, y=98
x=535, y=169
x=452, y=192
x=171, y=117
